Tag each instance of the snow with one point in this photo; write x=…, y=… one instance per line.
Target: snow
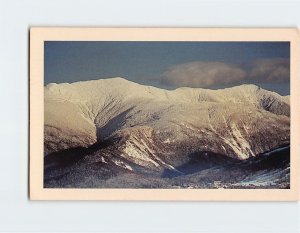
x=246, y=128
x=97, y=109
x=236, y=141
x=123, y=165
x=225, y=121
x=167, y=140
x=103, y=160
x=139, y=155
x=264, y=178
x=245, y=148
x=142, y=154
x=224, y=149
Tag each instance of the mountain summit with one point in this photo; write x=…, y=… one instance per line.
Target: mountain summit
x=133, y=126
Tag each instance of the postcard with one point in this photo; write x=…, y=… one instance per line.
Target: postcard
x=164, y=114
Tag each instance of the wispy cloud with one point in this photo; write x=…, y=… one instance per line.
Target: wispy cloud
x=202, y=74
x=275, y=70
x=209, y=74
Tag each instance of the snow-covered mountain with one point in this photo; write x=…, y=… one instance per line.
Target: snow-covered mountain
x=136, y=126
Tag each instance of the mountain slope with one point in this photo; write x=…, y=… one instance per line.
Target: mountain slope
x=148, y=127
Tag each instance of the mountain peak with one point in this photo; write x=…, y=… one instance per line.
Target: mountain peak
x=114, y=79
x=123, y=81
x=250, y=87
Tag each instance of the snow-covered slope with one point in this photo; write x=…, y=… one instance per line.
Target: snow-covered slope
x=157, y=128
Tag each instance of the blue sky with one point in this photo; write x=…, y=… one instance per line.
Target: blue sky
x=171, y=64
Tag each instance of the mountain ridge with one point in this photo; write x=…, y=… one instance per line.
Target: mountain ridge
x=164, y=126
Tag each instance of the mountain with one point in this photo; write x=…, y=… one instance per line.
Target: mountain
x=142, y=129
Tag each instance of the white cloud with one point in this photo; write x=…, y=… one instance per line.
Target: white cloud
x=275, y=70
x=203, y=74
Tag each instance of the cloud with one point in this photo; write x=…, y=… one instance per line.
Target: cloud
x=211, y=74
x=275, y=70
x=203, y=74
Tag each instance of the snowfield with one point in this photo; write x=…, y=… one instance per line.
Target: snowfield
x=119, y=127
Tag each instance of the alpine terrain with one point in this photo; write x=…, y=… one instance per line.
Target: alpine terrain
x=113, y=133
